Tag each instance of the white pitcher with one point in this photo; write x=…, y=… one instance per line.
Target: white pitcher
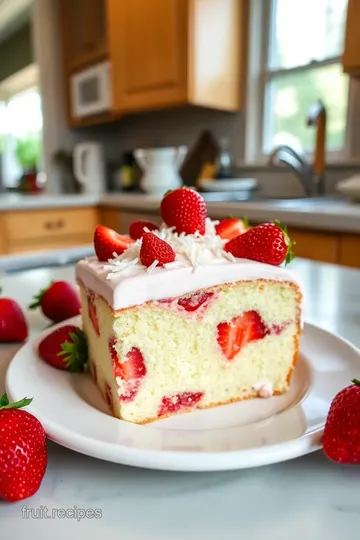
x=160, y=168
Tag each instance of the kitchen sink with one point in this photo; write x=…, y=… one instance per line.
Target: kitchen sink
x=300, y=202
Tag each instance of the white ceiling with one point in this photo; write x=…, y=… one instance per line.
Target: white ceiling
x=11, y=12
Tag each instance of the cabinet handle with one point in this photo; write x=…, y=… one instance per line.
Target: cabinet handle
x=54, y=225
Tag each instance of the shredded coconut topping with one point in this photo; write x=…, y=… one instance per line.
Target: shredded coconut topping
x=191, y=250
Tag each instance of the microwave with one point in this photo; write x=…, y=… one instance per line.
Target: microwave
x=91, y=90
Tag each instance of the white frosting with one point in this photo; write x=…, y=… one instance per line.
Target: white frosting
x=200, y=262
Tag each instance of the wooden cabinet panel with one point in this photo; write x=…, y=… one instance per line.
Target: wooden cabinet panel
x=48, y=224
x=148, y=49
x=3, y=237
x=110, y=217
x=314, y=245
x=84, y=32
x=349, y=253
x=45, y=244
x=351, y=55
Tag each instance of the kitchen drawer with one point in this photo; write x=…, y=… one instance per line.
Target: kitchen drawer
x=49, y=224
x=29, y=246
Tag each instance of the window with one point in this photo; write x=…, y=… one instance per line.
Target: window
x=20, y=135
x=301, y=65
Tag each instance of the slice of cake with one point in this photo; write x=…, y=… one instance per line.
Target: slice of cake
x=176, y=322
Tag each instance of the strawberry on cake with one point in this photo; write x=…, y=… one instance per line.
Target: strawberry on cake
x=189, y=315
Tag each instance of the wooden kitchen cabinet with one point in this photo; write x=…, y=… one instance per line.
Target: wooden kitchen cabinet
x=351, y=54
x=349, y=252
x=175, y=52
x=84, y=33
x=315, y=245
x=38, y=230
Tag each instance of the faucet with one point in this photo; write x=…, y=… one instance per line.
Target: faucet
x=311, y=177
x=299, y=165
x=317, y=117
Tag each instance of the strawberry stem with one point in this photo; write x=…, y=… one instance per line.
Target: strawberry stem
x=75, y=351
x=290, y=255
x=6, y=404
x=356, y=381
x=38, y=297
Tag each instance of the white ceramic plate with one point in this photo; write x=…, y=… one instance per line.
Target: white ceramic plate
x=245, y=434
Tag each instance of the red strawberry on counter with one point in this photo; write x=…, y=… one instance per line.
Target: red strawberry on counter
x=341, y=439
x=136, y=229
x=13, y=325
x=65, y=348
x=184, y=209
x=154, y=249
x=267, y=243
x=229, y=228
x=235, y=335
x=23, y=457
x=58, y=302
x=107, y=242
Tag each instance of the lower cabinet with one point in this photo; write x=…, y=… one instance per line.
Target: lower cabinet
x=349, y=250
x=315, y=245
x=38, y=230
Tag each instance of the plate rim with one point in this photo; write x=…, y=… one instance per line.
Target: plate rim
x=176, y=460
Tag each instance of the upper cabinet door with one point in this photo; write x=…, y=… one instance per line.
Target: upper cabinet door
x=84, y=32
x=148, y=47
x=351, y=56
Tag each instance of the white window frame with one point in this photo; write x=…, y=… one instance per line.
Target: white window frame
x=259, y=75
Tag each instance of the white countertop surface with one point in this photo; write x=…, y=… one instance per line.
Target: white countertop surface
x=309, y=498
x=339, y=216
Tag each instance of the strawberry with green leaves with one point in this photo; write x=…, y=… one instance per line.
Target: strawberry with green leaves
x=23, y=455
x=268, y=243
x=65, y=348
x=13, y=325
x=58, y=302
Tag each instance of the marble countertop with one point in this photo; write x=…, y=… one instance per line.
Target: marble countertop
x=334, y=216
x=307, y=498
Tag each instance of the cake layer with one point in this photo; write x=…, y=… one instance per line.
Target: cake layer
x=229, y=342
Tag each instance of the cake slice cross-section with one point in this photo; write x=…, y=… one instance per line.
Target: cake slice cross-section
x=205, y=330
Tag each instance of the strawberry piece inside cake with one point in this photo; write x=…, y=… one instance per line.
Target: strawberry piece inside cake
x=202, y=330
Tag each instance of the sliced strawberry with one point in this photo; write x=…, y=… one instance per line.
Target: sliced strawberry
x=231, y=227
x=136, y=229
x=130, y=371
x=241, y=330
x=192, y=303
x=93, y=371
x=107, y=242
x=92, y=313
x=177, y=402
x=154, y=249
x=277, y=329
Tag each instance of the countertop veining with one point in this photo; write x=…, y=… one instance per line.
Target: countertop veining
x=307, y=498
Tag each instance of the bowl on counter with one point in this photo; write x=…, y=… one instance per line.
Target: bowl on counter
x=228, y=184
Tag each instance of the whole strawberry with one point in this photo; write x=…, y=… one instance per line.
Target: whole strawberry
x=267, y=243
x=23, y=457
x=184, y=209
x=108, y=242
x=58, y=302
x=154, y=249
x=65, y=348
x=136, y=229
x=13, y=325
x=341, y=439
